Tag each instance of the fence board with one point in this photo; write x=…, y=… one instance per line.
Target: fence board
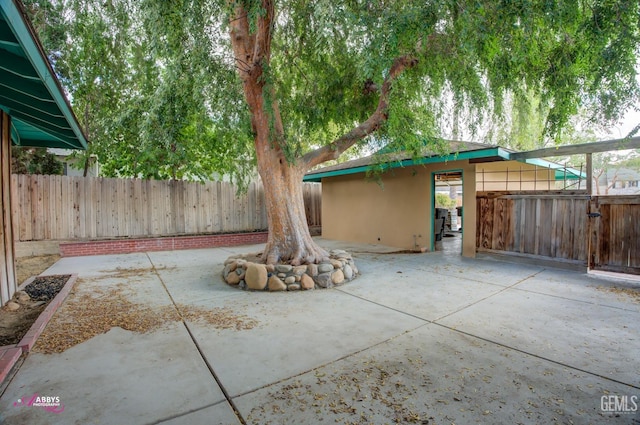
x=67, y=208
x=540, y=225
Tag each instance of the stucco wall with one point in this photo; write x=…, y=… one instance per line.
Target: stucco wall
x=354, y=209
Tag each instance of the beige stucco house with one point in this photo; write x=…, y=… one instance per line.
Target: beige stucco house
x=398, y=209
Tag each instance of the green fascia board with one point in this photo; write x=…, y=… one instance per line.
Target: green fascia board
x=14, y=17
x=561, y=173
x=459, y=156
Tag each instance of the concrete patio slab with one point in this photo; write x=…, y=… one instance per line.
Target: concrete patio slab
x=296, y=332
x=497, y=273
x=429, y=296
x=558, y=329
x=99, y=264
x=447, y=340
x=198, y=278
x=116, y=378
x=434, y=376
x=582, y=287
x=218, y=414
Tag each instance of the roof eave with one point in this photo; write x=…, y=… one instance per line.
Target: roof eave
x=26, y=35
x=496, y=152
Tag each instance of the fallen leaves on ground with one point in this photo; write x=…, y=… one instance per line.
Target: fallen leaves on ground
x=90, y=311
x=220, y=318
x=624, y=293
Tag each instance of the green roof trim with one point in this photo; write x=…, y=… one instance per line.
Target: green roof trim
x=29, y=89
x=493, y=153
x=561, y=172
x=460, y=156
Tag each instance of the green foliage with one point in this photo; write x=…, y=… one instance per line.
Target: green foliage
x=34, y=161
x=151, y=97
x=155, y=87
x=633, y=162
x=444, y=201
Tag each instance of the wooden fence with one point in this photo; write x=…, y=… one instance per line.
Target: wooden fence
x=615, y=233
x=545, y=224
x=71, y=208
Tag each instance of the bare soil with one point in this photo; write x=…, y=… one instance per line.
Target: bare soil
x=14, y=324
x=33, y=266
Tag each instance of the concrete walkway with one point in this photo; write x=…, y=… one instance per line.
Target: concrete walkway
x=417, y=338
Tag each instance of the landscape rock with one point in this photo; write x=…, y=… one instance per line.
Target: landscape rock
x=325, y=267
x=284, y=268
x=275, y=284
x=323, y=280
x=337, y=277
x=348, y=272
x=226, y=271
x=12, y=306
x=299, y=270
x=233, y=279
x=336, y=263
x=22, y=296
x=256, y=276
x=241, y=271
x=306, y=282
x=312, y=270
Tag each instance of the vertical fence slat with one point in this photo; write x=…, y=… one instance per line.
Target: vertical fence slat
x=67, y=208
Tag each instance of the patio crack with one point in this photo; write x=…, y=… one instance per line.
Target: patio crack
x=200, y=352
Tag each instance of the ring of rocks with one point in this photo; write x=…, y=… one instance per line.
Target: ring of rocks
x=246, y=272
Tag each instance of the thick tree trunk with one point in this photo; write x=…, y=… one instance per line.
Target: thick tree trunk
x=289, y=238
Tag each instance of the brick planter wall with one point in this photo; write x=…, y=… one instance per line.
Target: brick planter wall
x=125, y=246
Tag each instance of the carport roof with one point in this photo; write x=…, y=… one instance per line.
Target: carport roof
x=29, y=89
x=458, y=150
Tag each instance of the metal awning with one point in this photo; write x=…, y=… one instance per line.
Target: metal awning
x=29, y=89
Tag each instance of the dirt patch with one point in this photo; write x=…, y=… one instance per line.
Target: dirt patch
x=33, y=266
x=219, y=318
x=90, y=311
x=623, y=293
x=14, y=324
x=86, y=314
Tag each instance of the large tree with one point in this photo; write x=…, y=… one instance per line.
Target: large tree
x=313, y=69
x=307, y=80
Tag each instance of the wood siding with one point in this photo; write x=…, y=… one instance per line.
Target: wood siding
x=79, y=208
x=8, y=284
x=540, y=224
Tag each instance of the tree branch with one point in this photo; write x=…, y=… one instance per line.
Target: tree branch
x=334, y=149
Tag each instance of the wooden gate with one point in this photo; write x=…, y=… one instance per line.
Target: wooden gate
x=614, y=228
x=550, y=225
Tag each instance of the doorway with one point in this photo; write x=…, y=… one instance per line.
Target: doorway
x=446, y=212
